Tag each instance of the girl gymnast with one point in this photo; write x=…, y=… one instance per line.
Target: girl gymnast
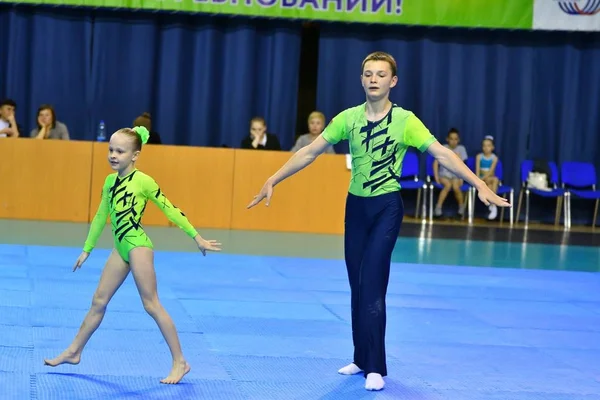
x=379, y=133
x=124, y=196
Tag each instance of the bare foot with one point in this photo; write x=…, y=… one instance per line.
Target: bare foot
x=179, y=370
x=66, y=357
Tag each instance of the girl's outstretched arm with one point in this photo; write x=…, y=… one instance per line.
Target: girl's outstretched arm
x=176, y=216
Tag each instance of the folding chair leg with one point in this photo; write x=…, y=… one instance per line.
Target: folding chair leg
x=519, y=207
x=471, y=204
x=565, y=207
x=558, y=210
x=512, y=208
x=566, y=210
x=424, y=203
x=595, y=213
x=526, y=207
x=474, y=198
x=511, y=215
x=418, y=203
x=569, y=210
x=567, y=219
x=430, y=203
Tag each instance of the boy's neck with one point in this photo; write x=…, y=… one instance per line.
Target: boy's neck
x=378, y=107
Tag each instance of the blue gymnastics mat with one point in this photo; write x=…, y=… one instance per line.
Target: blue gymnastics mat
x=260, y=327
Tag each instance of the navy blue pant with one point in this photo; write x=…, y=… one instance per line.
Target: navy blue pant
x=372, y=225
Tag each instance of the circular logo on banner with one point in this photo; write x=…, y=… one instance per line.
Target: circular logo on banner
x=579, y=7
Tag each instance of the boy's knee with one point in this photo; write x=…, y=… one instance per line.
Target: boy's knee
x=374, y=307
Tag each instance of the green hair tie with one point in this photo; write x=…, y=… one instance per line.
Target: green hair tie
x=143, y=133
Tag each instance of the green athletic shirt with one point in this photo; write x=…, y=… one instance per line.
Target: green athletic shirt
x=125, y=200
x=377, y=148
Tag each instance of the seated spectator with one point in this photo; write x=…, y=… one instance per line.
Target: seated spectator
x=145, y=120
x=259, y=138
x=47, y=125
x=485, y=164
x=316, y=124
x=8, y=124
x=449, y=179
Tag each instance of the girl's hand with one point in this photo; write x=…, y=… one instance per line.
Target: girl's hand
x=82, y=257
x=207, y=245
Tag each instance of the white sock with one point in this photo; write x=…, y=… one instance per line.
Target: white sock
x=374, y=382
x=493, y=212
x=350, y=369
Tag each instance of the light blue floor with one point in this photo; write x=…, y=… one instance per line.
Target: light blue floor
x=261, y=327
x=497, y=254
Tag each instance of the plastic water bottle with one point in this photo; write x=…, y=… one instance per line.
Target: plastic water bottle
x=101, y=132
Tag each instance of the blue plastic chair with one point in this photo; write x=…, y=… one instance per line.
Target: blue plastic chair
x=553, y=192
x=464, y=188
x=409, y=180
x=503, y=190
x=579, y=180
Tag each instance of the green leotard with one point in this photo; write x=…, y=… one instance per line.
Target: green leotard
x=377, y=148
x=125, y=200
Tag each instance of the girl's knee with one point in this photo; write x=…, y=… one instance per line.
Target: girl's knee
x=447, y=185
x=151, y=305
x=99, y=302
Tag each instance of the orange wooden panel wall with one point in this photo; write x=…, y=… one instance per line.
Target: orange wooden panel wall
x=45, y=180
x=61, y=181
x=198, y=180
x=311, y=201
